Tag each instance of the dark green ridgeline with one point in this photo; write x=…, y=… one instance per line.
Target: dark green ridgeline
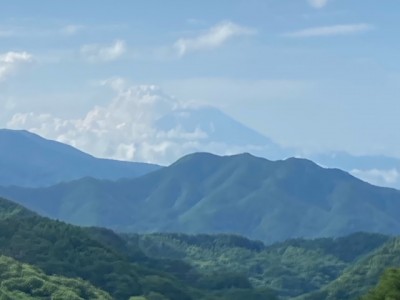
x=241, y=194
x=322, y=269
x=179, y=266
x=388, y=287
x=104, y=259
x=360, y=277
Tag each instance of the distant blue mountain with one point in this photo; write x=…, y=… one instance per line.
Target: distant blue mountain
x=27, y=159
x=221, y=128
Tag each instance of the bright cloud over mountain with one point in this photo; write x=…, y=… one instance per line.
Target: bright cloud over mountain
x=126, y=128
x=318, y=76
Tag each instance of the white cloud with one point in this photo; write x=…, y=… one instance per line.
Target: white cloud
x=212, y=38
x=318, y=3
x=98, y=53
x=126, y=128
x=344, y=29
x=123, y=129
x=11, y=61
x=388, y=178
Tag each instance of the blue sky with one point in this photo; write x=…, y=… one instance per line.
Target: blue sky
x=317, y=75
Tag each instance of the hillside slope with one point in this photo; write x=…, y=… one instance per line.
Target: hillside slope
x=66, y=250
x=21, y=281
x=291, y=268
x=179, y=266
x=102, y=258
x=360, y=277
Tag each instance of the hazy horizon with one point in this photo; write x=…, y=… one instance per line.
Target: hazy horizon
x=316, y=76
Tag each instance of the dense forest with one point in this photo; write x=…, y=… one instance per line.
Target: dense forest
x=23, y=281
x=325, y=268
x=103, y=259
x=388, y=287
x=46, y=258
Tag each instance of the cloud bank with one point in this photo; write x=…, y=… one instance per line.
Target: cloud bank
x=11, y=61
x=126, y=128
x=212, y=38
x=344, y=29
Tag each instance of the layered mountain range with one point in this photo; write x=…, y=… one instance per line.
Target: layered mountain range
x=242, y=194
x=279, y=203
x=206, y=128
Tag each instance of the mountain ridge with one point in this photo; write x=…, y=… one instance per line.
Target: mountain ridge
x=240, y=194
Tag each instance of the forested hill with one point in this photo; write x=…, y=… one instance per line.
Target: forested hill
x=179, y=266
x=241, y=194
x=22, y=281
x=103, y=260
x=343, y=268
